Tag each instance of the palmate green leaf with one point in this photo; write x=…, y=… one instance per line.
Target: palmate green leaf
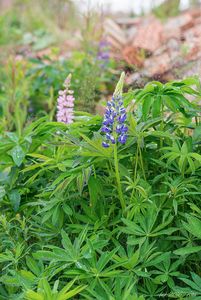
x=196, y=279
x=156, y=106
x=47, y=215
x=57, y=216
x=196, y=156
x=66, y=242
x=104, y=259
x=161, y=257
x=83, y=178
x=67, y=209
x=6, y=257
x=128, y=262
x=33, y=265
x=5, y=145
x=21, y=278
x=160, y=227
x=33, y=167
x=95, y=190
x=44, y=284
x=81, y=240
x=144, y=126
x=131, y=122
x=155, y=95
x=193, y=284
x=63, y=175
x=197, y=134
x=41, y=157
x=29, y=129
x=96, y=147
x=193, y=226
x=187, y=161
x=171, y=156
x=187, y=250
x=184, y=149
x=122, y=290
x=132, y=228
x=171, y=105
x=110, y=274
x=135, y=241
x=161, y=279
x=165, y=231
x=45, y=292
x=190, y=91
x=193, y=80
x=182, y=163
x=191, y=165
x=185, y=102
x=146, y=106
x=70, y=294
x=51, y=256
x=31, y=295
x=146, y=227
x=161, y=134
x=47, y=128
x=143, y=95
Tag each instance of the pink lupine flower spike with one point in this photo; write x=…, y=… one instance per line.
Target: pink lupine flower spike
x=65, y=103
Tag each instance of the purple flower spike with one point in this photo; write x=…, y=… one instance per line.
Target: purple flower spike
x=106, y=129
x=112, y=139
x=124, y=129
x=103, y=55
x=122, y=139
x=106, y=122
x=122, y=118
x=107, y=136
x=114, y=120
x=105, y=145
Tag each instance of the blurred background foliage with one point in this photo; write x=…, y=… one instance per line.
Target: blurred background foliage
x=47, y=39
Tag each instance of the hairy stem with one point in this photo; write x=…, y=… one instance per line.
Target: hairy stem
x=116, y=165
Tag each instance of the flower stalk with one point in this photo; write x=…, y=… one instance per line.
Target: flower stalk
x=115, y=130
x=117, y=174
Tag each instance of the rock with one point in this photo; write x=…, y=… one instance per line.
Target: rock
x=157, y=65
x=155, y=48
x=115, y=34
x=149, y=35
x=132, y=56
x=183, y=22
x=194, y=51
x=170, y=32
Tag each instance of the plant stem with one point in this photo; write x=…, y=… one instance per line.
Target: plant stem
x=141, y=162
x=116, y=165
x=136, y=163
x=162, y=125
x=139, y=156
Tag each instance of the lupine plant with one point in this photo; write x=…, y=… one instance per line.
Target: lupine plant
x=115, y=128
x=109, y=208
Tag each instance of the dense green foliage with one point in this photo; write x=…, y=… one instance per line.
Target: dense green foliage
x=63, y=229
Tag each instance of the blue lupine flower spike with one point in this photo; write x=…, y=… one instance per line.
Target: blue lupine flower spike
x=114, y=126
